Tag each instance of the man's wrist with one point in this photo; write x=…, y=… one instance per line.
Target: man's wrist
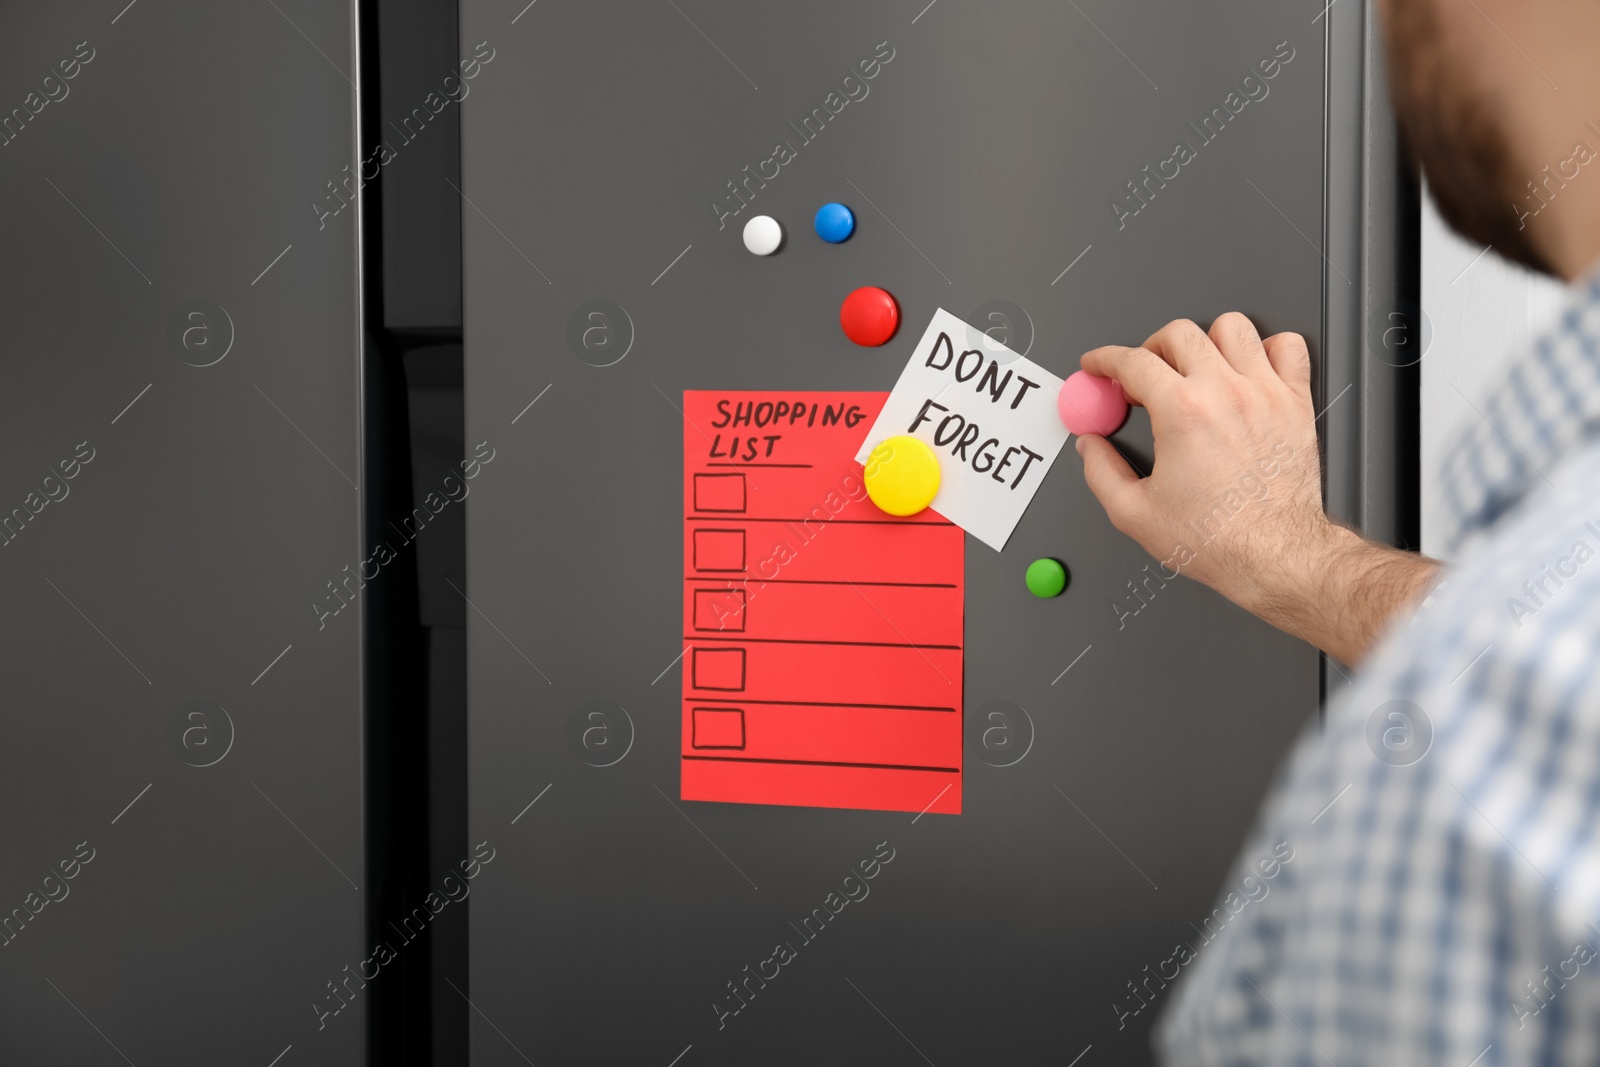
x=1297, y=580
x=1339, y=591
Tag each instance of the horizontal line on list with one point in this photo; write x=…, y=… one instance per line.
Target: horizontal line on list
x=725, y=463
x=727, y=516
x=823, y=581
x=799, y=641
x=816, y=704
x=823, y=763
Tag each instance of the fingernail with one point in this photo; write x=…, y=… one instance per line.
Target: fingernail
x=1077, y=443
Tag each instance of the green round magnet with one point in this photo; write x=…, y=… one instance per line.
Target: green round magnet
x=1046, y=578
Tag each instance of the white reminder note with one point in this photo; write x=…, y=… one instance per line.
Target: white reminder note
x=990, y=417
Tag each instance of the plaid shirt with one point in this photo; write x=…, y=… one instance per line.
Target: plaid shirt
x=1443, y=902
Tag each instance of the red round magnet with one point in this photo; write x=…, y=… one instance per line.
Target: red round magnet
x=869, y=316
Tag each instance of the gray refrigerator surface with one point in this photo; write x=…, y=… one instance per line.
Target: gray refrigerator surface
x=182, y=867
x=1067, y=175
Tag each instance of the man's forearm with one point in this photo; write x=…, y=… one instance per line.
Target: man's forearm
x=1343, y=594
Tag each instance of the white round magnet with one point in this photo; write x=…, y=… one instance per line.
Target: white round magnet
x=763, y=235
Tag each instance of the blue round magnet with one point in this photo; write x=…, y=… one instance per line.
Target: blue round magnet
x=835, y=222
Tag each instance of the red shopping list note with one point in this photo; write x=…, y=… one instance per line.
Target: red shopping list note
x=822, y=638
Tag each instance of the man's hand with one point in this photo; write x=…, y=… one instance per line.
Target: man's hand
x=1235, y=496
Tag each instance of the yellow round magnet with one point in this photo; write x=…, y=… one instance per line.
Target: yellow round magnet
x=902, y=475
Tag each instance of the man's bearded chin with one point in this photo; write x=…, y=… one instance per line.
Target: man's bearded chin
x=1455, y=137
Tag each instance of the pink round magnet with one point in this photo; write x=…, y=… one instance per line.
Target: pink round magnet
x=1089, y=403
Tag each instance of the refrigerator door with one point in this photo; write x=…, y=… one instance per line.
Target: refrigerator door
x=182, y=773
x=672, y=882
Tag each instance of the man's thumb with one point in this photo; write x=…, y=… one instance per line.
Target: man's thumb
x=1110, y=479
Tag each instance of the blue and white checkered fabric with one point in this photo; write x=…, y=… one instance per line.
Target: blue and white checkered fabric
x=1443, y=903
